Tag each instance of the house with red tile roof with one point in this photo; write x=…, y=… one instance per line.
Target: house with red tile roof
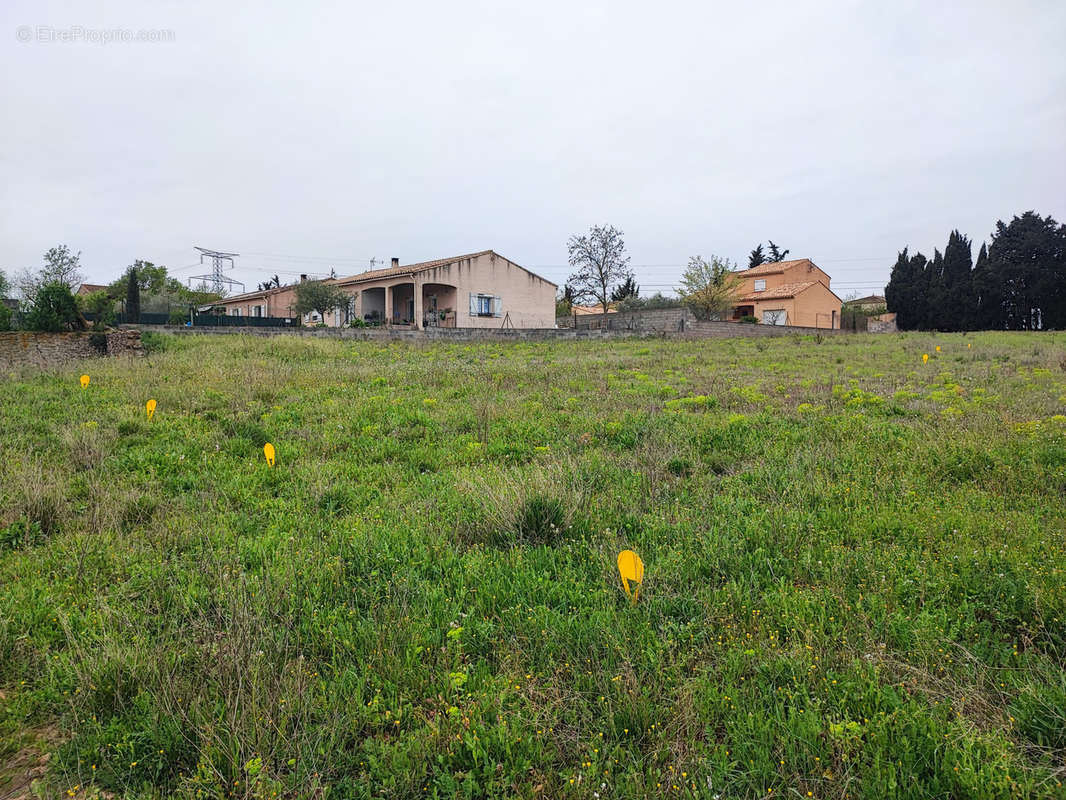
x=787, y=293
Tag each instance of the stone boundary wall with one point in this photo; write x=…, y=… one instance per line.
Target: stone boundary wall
x=698, y=330
x=681, y=322
x=881, y=326
x=25, y=348
x=428, y=334
x=658, y=320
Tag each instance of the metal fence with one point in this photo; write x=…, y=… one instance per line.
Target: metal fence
x=203, y=320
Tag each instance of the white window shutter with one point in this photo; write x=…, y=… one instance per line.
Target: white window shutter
x=497, y=306
x=473, y=305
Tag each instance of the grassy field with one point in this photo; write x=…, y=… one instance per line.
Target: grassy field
x=855, y=576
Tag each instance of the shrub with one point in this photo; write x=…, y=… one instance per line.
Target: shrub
x=750, y=319
x=54, y=309
x=98, y=340
x=6, y=318
x=101, y=306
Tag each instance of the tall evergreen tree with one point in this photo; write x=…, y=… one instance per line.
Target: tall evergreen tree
x=777, y=254
x=133, y=296
x=756, y=257
x=1027, y=263
x=987, y=295
x=625, y=291
x=898, y=291
x=907, y=293
x=953, y=298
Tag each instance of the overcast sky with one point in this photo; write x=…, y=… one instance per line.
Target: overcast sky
x=308, y=139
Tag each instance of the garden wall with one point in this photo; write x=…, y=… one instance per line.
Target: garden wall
x=23, y=348
x=696, y=330
x=679, y=322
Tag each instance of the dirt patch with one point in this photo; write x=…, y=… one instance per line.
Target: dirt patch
x=19, y=771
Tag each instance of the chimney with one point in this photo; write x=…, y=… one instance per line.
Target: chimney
x=303, y=278
x=395, y=263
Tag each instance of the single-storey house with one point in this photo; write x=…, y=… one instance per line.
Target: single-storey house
x=787, y=293
x=276, y=302
x=478, y=290
x=88, y=288
x=871, y=302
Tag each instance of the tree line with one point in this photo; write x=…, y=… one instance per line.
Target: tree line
x=1017, y=283
x=48, y=302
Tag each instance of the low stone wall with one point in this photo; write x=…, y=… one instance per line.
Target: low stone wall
x=744, y=330
x=696, y=330
x=653, y=320
x=680, y=322
x=23, y=348
x=881, y=326
x=431, y=334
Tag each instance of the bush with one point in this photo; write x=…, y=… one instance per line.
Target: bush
x=6, y=321
x=750, y=319
x=54, y=309
x=98, y=339
x=177, y=317
x=101, y=306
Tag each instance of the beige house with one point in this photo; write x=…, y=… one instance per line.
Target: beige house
x=479, y=290
x=787, y=293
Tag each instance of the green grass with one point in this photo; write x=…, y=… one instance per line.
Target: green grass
x=855, y=575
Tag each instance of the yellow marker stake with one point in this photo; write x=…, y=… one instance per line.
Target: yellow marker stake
x=150, y=408
x=925, y=357
x=968, y=345
x=938, y=348
x=631, y=568
x=268, y=451
x=84, y=381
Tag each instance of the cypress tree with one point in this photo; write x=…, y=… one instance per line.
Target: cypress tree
x=988, y=296
x=920, y=270
x=954, y=294
x=756, y=257
x=133, y=296
x=1027, y=264
x=900, y=290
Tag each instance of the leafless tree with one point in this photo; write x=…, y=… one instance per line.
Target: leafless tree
x=601, y=263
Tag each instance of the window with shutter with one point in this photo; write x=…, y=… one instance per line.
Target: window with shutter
x=473, y=305
x=497, y=306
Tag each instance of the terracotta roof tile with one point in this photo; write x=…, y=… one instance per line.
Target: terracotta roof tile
x=775, y=267
x=407, y=269
x=782, y=292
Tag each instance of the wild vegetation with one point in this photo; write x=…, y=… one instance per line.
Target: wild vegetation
x=854, y=580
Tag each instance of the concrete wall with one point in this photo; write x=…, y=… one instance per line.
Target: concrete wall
x=22, y=348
